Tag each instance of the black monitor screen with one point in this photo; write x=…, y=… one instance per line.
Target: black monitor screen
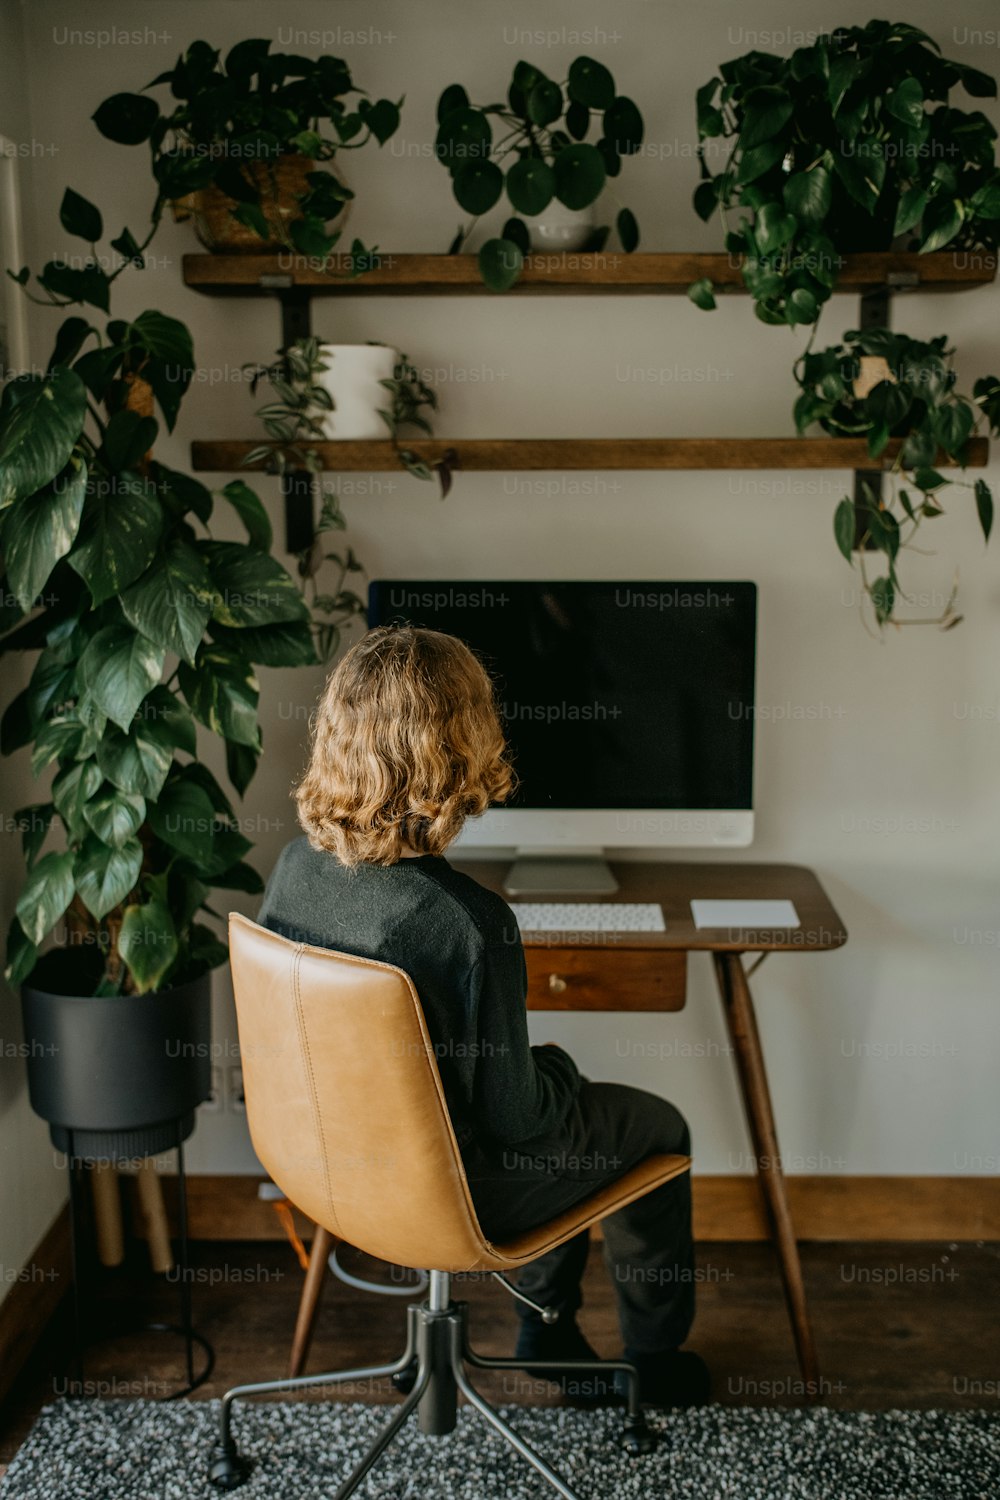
x=613, y=695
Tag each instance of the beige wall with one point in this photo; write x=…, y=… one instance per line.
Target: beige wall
x=876, y=760
x=31, y=1186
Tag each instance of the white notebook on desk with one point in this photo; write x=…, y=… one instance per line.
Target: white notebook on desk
x=745, y=915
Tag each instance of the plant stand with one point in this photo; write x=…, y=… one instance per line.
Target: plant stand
x=185, y=1328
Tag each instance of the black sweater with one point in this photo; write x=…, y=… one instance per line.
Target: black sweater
x=461, y=946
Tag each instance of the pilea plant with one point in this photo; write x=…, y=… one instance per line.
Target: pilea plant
x=879, y=385
x=541, y=135
x=844, y=146
x=228, y=124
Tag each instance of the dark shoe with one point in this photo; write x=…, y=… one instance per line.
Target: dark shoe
x=558, y=1341
x=672, y=1378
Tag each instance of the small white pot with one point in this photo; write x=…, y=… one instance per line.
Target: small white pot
x=352, y=377
x=560, y=228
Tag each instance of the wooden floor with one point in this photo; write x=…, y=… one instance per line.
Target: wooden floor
x=896, y=1325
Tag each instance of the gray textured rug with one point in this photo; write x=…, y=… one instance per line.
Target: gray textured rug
x=139, y=1450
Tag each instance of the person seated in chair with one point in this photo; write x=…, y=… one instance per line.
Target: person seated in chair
x=406, y=745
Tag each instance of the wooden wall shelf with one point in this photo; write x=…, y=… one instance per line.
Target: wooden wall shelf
x=226, y=456
x=604, y=273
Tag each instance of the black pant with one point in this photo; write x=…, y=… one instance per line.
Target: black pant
x=647, y=1246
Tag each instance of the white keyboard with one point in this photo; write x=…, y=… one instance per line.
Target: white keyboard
x=589, y=916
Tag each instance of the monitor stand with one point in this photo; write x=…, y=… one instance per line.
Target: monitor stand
x=573, y=872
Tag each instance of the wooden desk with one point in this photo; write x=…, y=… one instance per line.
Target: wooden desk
x=647, y=971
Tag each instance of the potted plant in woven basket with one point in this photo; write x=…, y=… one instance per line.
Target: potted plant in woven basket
x=141, y=627
x=247, y=145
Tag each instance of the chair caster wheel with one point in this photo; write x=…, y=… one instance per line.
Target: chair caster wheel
x=226, y=1469
x=406, y=1379
x=637, y=1438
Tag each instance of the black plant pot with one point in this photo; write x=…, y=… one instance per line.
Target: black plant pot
x=123, y=1073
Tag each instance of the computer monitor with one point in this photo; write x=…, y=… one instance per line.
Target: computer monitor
x=628, y=709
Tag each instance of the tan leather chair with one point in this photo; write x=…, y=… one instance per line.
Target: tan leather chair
x=347, y=1113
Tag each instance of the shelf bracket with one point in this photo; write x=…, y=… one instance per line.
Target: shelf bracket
x=298, y=486
x=874, y=312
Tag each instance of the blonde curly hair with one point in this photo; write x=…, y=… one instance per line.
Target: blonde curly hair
x=406, y=744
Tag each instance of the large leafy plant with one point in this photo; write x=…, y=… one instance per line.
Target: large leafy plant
x=142, y=624
x=225, y=121
x=541, y=153
x=845, y=145
x=878, y=384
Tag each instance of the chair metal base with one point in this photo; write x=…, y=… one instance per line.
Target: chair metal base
x=433, y=1368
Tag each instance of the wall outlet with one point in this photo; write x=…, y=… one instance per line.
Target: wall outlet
x=213, y=1104
x=234, y=1093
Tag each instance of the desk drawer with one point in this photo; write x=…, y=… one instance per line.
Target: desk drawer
x=606, y=979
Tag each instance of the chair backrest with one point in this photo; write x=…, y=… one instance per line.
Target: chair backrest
x=344, y=1100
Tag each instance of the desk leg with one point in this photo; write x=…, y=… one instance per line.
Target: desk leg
x=738, y=1005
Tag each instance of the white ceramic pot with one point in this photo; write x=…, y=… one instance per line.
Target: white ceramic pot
x=352, y=377
x=560, y=228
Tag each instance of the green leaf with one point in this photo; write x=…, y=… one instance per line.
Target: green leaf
x=137, y=762
x=500, y=263
x=72, y=789
x=628, y=230
x=883, y=598
x=801, y=306
x=115, y=816
x=127, y=438
x=119, y=534
x=530, y=185
x=147, y=941
x=34, y=822
x=78, y=216
x=127, y=118
x=773, y=228
x=760, y=159
x=239, y=877
x=105, y=876
x=173, y=600
x=906, y=103
x=844, y=528
x=706, y=199
x=22, y=955
x=623, y=127
x=241, y=765
x=952, y=426
x=911, y=209
x=222, y=691
x=577, y=120
x=251, y=512
x=808, y=194
x=766, y=111
x=39, y=432
x=590, y=84
x=118, y=668
x=862, y=176
x=183, y=817
x=288, y=645
x=464, y=135
x=702, y=293
x=382, y=120
x=545, y=102
x=47, y=892
x=579, y=175
x=942, y=220
x=984, y=507
x=477, y=186
x=516, y=230
x=41, y=529
x=251, y=587
x=928, y=479
x=454, y=97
